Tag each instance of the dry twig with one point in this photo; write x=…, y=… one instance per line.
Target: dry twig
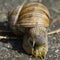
x=3, y=12
x=55, y=10
x=5, y=31
x=54, y=21
x=7, y=37
x=53, y=32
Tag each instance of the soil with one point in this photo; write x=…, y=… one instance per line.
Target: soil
x=11, y=49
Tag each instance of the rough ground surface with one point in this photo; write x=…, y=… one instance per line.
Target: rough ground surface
x=11, y=49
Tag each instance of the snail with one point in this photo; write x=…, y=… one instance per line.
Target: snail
x=31, y=20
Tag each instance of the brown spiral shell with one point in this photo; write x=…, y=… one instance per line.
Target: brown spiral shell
x=28, y=15
x=34, y=13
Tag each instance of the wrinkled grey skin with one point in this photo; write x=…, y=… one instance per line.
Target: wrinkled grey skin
x=36, y=37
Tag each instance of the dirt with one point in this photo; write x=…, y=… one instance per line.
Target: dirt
x=11, y=49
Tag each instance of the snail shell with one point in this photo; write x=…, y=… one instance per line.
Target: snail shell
x=30, y=15
x=34, y=13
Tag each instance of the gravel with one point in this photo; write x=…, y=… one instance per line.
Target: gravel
x=12, y=49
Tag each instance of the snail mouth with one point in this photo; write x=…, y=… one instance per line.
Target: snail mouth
x=39, y=52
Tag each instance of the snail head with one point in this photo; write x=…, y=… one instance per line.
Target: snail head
x=38, y=41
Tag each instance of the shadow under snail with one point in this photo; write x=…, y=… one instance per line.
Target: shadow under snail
x=32, y=21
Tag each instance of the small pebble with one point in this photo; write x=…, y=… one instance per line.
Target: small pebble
x=54, y=38
x=50, y=56
x=56, y=51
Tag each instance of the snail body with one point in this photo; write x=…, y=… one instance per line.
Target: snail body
x=32, y=20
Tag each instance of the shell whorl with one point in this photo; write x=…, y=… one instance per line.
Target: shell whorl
x=34, y=14
x=28, y=15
